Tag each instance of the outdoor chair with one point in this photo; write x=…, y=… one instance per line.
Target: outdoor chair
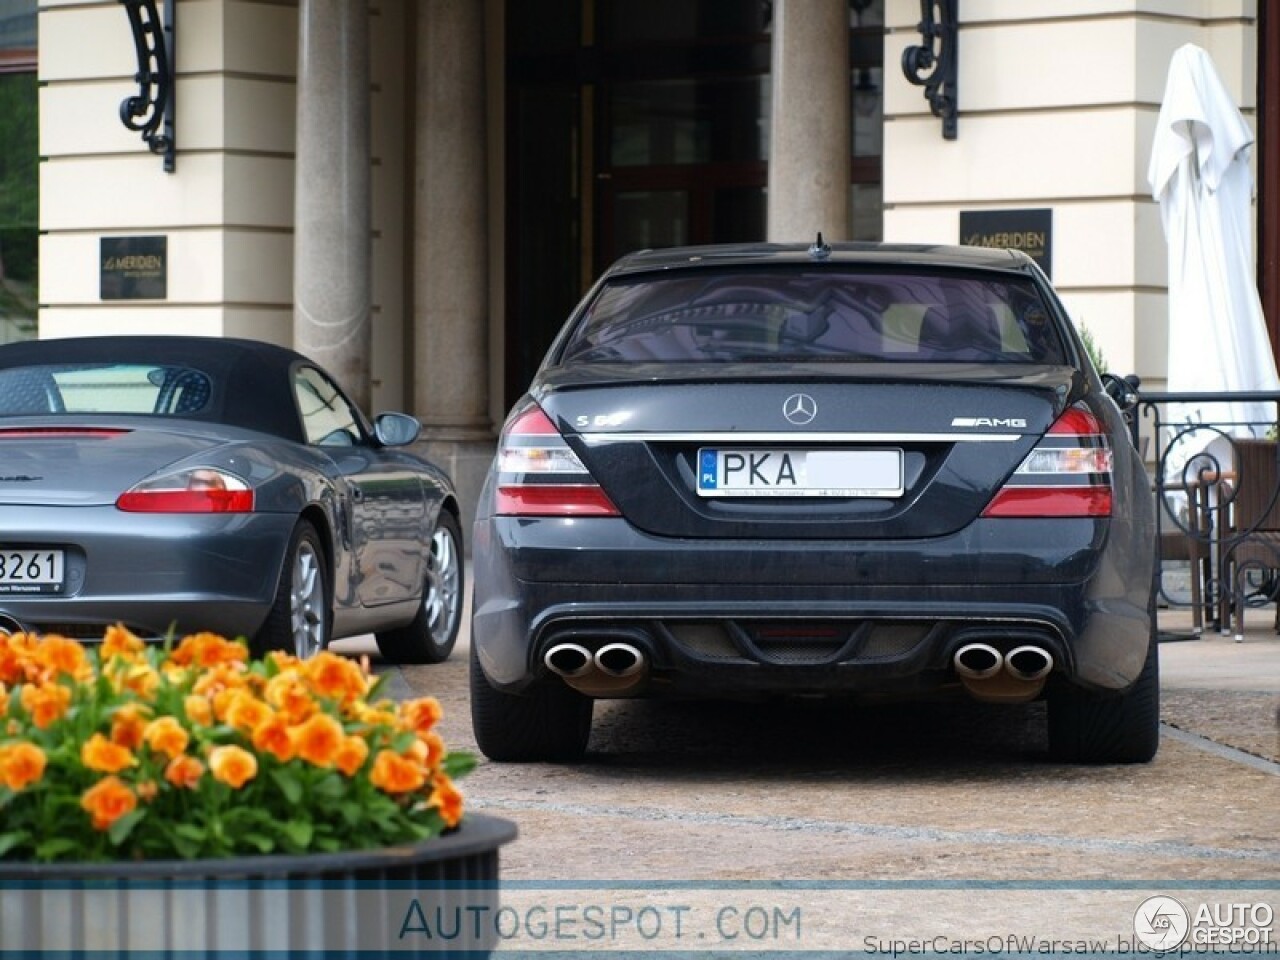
x=1190, y=539
x=1249, y=553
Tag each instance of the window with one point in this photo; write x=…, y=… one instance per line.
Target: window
x=130, y=388
x=19, y=170
x=801, y=316
x=328, y=420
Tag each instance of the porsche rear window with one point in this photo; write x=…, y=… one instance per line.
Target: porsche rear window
x=816, y=315
x=103, y=388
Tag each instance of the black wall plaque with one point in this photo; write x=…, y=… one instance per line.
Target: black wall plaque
x=133, y=268
x=1030, y=231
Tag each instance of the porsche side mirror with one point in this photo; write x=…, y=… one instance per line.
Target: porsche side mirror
x=396, y=429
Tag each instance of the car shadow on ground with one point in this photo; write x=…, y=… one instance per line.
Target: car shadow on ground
x=792, y=737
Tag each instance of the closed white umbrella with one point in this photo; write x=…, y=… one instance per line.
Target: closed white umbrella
x=1199, y=173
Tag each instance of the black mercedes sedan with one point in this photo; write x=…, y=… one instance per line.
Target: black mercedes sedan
x=849, y=470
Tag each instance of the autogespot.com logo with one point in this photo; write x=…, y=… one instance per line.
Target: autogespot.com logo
x=1161, y=923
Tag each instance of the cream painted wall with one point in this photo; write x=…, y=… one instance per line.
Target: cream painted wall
x=1058, y=103
x=227, y=210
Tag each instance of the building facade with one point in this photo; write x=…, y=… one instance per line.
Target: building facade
x=417, y=191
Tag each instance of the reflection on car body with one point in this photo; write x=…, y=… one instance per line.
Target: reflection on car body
x=751, y=471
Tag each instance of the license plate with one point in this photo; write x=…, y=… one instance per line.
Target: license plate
x=31, y=571
x=799, y=473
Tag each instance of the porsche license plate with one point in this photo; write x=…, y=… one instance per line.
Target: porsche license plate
x=799, y=473
x=31, y=571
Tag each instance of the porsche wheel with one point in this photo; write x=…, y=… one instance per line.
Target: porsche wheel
x=299, y=620
x=430, y=636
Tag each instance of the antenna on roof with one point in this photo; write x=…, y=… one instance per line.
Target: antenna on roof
x=818, y=249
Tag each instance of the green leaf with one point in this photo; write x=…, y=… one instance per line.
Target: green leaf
x=10, y=840
x=297, y=833
x=260, y=841
x=189, y=831
x=289, y=785
x=403, y=741
x=329, y=788
x=120, y=830
x=458, y=764
x=51, y=848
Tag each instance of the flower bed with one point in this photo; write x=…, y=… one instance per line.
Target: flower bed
x=129, y=751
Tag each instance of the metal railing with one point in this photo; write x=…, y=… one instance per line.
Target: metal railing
x=1216, y=479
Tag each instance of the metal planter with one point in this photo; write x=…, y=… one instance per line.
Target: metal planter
x=439, y=897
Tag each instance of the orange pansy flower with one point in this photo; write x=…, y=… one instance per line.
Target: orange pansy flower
x=208, y=650
x=351, y=755
x=99, y=753
x=166, y=735
x=107, y=801
x=393, y=773
x=317, y=741
x=335, y=677
x=275, y=738
x=147, y=790
x=21, y=764
x=184, y=772
x=246, y=712
x=446, y=798
x=289, y=694
x=46, y=703
x=60, y=655
x=127, y=725
x=435, y=748
x=233, y=765
x=198, y=710
x=421, y=714
x=119, y=641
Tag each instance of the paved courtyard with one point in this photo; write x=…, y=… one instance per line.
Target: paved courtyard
x=906, y=817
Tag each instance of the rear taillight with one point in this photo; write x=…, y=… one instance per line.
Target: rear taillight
x=1068, y=474
x=540, y=476
x=200, y=490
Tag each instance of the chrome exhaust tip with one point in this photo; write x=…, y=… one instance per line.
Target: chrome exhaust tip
x=978, y=661
x=1029, y=663
x=569, y=660
x=619, y=660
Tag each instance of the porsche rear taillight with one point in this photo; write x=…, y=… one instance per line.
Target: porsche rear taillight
x=540, y=476
x=1068, y=474
x=199, y=490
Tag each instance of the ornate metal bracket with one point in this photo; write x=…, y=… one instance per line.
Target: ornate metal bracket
x=150, y=111
x=933, y=64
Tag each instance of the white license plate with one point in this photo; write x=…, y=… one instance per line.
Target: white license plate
x=31, y=571
x=799, y=473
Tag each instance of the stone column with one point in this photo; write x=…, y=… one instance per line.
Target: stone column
x=451, y=253
x=332, y=245
x=810, y=143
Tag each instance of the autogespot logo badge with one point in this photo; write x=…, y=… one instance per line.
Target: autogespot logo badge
x=800, y=409
x=1161, y=923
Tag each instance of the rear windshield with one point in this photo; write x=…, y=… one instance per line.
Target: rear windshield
x=103, y=388
x=815, y=315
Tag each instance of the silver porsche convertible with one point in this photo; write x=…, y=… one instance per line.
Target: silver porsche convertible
x=191, y=483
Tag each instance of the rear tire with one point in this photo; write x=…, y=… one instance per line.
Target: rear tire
x=300, y=619
x=1091, y=728
x=549, y=722
x=429, y=637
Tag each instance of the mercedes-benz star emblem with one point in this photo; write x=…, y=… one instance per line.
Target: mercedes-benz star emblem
x=800, y=409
